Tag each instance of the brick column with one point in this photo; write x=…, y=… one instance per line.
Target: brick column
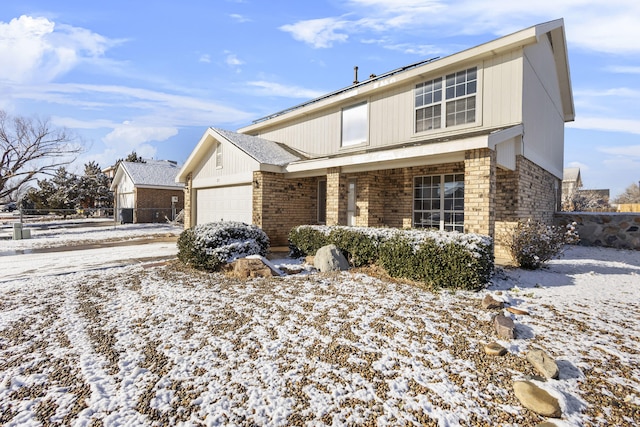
x=480, y=191
x=188, y=215
x=336, y=197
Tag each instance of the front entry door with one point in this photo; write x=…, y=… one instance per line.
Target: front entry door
x=351, y=202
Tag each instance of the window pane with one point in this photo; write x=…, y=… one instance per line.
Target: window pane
x=472, y=73
x=471, y=87
x=451, y=93
x=354, y=125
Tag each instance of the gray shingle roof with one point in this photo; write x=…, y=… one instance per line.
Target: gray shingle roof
x=153, y=173
x=262, y=150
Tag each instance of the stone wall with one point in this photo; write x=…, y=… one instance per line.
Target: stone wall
x=609, y=229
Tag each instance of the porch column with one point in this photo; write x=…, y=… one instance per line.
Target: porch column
x=188, y=205
x=480, y=191
x=336, y=197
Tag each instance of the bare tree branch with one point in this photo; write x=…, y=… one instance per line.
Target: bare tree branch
x=31, y=147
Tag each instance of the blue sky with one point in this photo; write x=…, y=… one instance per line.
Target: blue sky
x=152, y=76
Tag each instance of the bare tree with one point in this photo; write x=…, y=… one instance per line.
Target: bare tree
x=630, y=195
x=31, y=147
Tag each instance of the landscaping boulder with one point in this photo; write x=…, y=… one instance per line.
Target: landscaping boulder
x=329, y=258
x=505, y=328
x=245, y=268
x=543, y=363
x=494, y=349
x=536, y=399
x=490, y=303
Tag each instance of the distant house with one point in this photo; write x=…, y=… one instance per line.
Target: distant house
x=147, y=192
x=471, y=142
x=571, y=181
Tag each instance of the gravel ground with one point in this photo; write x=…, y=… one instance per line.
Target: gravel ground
x=165, y=345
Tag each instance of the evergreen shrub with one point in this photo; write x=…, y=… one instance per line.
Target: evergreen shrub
x=209, y=246
x=440, y=259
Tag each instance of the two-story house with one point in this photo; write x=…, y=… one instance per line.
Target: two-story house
x=471, y=142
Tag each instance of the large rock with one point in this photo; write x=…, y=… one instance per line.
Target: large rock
x=536, y=399
x=505, y=328
x=329, y=258
x=244, y=268
x=490, y=303
x=494, y=349
x=544, y=364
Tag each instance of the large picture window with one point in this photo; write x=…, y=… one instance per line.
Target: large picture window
x=458, y=102
x=438, y=202
x=355, y=129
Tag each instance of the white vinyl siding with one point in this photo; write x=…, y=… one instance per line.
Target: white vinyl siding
x=232, y=203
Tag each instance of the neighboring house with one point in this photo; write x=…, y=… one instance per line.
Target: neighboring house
x=471, y=142
x=147, y=192
x=571, y=181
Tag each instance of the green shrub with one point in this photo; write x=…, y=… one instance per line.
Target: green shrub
x=533, y=243
x=463, y=261
x=307, y=239
x=209, y=246
x=438, y=258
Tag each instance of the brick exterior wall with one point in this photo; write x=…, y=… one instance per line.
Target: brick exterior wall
x=479, y=191
x=336, y=197
x=279, y=204
x=153, y=205
x=188, y=215
x=528, y=192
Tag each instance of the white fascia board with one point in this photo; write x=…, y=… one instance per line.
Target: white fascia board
x=503, y=135
x=224, y=180
x=393, y=157
x=160, y=187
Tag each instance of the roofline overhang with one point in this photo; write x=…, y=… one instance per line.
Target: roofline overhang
x=495, y=47
x=197, y=154
x=429, y=153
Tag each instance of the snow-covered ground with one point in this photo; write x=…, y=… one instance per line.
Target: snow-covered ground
x=145, y=344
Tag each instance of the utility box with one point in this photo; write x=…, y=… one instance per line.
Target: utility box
x=126, y=216
x=17, y=231
x=20, y=233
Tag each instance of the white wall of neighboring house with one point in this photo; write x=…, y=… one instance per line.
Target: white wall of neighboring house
x=125, y=195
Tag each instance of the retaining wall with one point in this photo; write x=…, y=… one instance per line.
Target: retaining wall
x=609, y=229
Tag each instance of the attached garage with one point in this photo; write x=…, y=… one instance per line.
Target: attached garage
x=233, y=203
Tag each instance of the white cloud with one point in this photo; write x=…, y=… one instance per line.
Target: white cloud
x=607, y=124
x=622, y=69
x=205, y=58
x=41, y=50
x=610, y=27
x=265, y=88
x=583, y=167
x=629, y=151
x=239, y=18
x=130, y=134
x=320, y=33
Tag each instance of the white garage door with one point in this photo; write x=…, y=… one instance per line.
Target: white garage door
x=224, y=204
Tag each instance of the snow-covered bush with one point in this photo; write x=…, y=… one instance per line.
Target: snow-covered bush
x=439, y=258
x=533, y=243
x=209, y=246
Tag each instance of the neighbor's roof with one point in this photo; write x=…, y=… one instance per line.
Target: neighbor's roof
x=261, y=150
x=571, y=174
x=153, y=173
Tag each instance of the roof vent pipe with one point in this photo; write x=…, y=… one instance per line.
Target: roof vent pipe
x=355, y=75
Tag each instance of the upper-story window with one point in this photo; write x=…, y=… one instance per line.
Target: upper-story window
x=459, y=103
x=219, y=156
x=355, y=129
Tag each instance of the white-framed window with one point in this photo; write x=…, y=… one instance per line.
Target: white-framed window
x=355, y=125
x=438, y=202
x=219, y=156
x=458, y=100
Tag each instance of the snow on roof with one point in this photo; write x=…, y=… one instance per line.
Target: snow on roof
x=263, y=150
x=157, y=173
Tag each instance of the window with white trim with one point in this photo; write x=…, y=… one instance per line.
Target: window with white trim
x=355, y=129
x=438, y=202
x=219, y=156
x=459, y=103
